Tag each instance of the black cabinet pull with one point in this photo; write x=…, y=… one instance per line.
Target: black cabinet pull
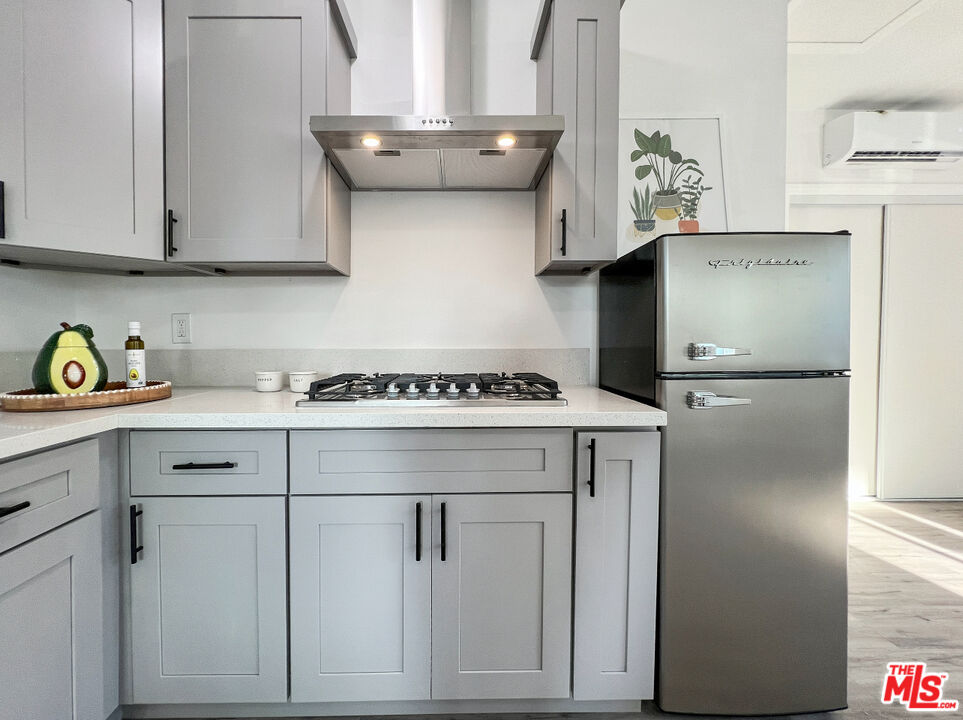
x=591, y=480
x=3, y=228
x=417, y=532
x=204, y=466
x=134, y=547
x=14, y=508
x=564, y=232
x=170, y=233
x=444, y=533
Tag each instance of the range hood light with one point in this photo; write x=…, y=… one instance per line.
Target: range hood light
x=370, y=141
x=506, y=141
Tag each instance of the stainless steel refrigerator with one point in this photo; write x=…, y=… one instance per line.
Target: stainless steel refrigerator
x=744, y=340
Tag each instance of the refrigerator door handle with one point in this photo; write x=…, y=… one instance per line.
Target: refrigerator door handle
x=703, y=400
x=709, y=351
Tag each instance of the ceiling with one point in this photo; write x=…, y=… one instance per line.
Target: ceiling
x=875, y=54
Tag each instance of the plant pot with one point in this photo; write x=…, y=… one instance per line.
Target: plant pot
x=644, y=226
x=667, y=204
x=688, y=226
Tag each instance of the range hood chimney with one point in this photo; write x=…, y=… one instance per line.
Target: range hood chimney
x=442, y=145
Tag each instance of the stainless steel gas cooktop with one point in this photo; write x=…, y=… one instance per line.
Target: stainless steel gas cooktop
x=434, y=390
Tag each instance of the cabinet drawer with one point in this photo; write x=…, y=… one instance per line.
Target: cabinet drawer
x=426, y=461
x=202, y=462
x=50, y=488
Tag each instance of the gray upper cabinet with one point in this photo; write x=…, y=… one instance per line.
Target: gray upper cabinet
x=576, y=45
x=248, y=187
x=81, y=133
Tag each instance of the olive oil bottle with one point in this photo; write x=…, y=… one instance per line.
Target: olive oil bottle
x=134, y=352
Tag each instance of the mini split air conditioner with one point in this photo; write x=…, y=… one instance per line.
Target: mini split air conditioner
x=929, y=139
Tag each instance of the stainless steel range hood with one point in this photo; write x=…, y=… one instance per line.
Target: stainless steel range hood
x=442, y=146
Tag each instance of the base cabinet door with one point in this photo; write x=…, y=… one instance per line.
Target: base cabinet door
x=616, y=541
x=208, y=602
x=360, y=598
x=51, y=627
x=501, y=596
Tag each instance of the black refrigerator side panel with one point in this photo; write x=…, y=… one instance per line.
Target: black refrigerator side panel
x=627, y=325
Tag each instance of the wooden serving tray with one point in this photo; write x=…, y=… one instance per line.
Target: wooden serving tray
x=114, y=393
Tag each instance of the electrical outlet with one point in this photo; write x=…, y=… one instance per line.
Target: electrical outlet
x=180, y=328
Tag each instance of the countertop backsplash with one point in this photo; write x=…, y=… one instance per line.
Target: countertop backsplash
x=236, y=367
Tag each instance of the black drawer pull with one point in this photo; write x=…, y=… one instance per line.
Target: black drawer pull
x=134, y=547
x=417, y=532
x=591, y=480
x=444, y=534
x=205, y=466
x=14, y=508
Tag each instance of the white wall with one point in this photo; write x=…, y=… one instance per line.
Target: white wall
x=692, y=58
x=450, y=270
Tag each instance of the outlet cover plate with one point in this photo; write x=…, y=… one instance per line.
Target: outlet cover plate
x=180, y=328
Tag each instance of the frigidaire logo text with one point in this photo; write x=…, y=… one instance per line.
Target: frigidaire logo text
x=747, y=263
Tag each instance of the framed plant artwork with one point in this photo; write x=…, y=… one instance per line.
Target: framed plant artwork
x=671, y=178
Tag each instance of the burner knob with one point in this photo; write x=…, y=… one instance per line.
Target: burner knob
x=453, y=392
x=432, y=392
x=412, y=391
x=393, y=390
x=473, y=391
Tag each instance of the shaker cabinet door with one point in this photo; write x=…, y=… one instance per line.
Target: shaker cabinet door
x=360, y=598
x=81, y=126
x=51, y=626
x=501, y=596
x=246, y=181
x=576, y=199
x=208, y=602
x=616, y=541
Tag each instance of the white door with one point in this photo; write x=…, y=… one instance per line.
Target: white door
x=920, y=454
x=245, y=177
x=360, y=598
x=81, y=125
x=501, y=596
x=51, y=626
x=616, y=550
x=208, y=610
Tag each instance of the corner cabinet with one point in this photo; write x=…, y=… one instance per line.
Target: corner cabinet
x=616, y=541
x=576, y=46
x=248, y=187
x=81, y=134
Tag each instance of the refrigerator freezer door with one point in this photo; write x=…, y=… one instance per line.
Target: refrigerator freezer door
x=753, y=302
x=752, y=588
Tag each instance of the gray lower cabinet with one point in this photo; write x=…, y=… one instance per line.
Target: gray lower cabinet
x=248, y=187
x=208, y=600
x=414, y=597
x=501, y=596
x=81, y=133
x=616, y=541
x=360, y=598
x=51, y=626
x=577, y=53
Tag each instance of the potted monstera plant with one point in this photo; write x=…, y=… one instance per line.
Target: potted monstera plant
x=691, y=197
x=667, y=166
x=644, y=210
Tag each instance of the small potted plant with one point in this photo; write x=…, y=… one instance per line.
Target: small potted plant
x=691, y=196
x=667, y=165
x=644, y=210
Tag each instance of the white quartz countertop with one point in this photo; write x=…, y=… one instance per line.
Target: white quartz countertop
x=230, y=408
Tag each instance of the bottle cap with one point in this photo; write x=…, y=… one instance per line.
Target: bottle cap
x=133, y=328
